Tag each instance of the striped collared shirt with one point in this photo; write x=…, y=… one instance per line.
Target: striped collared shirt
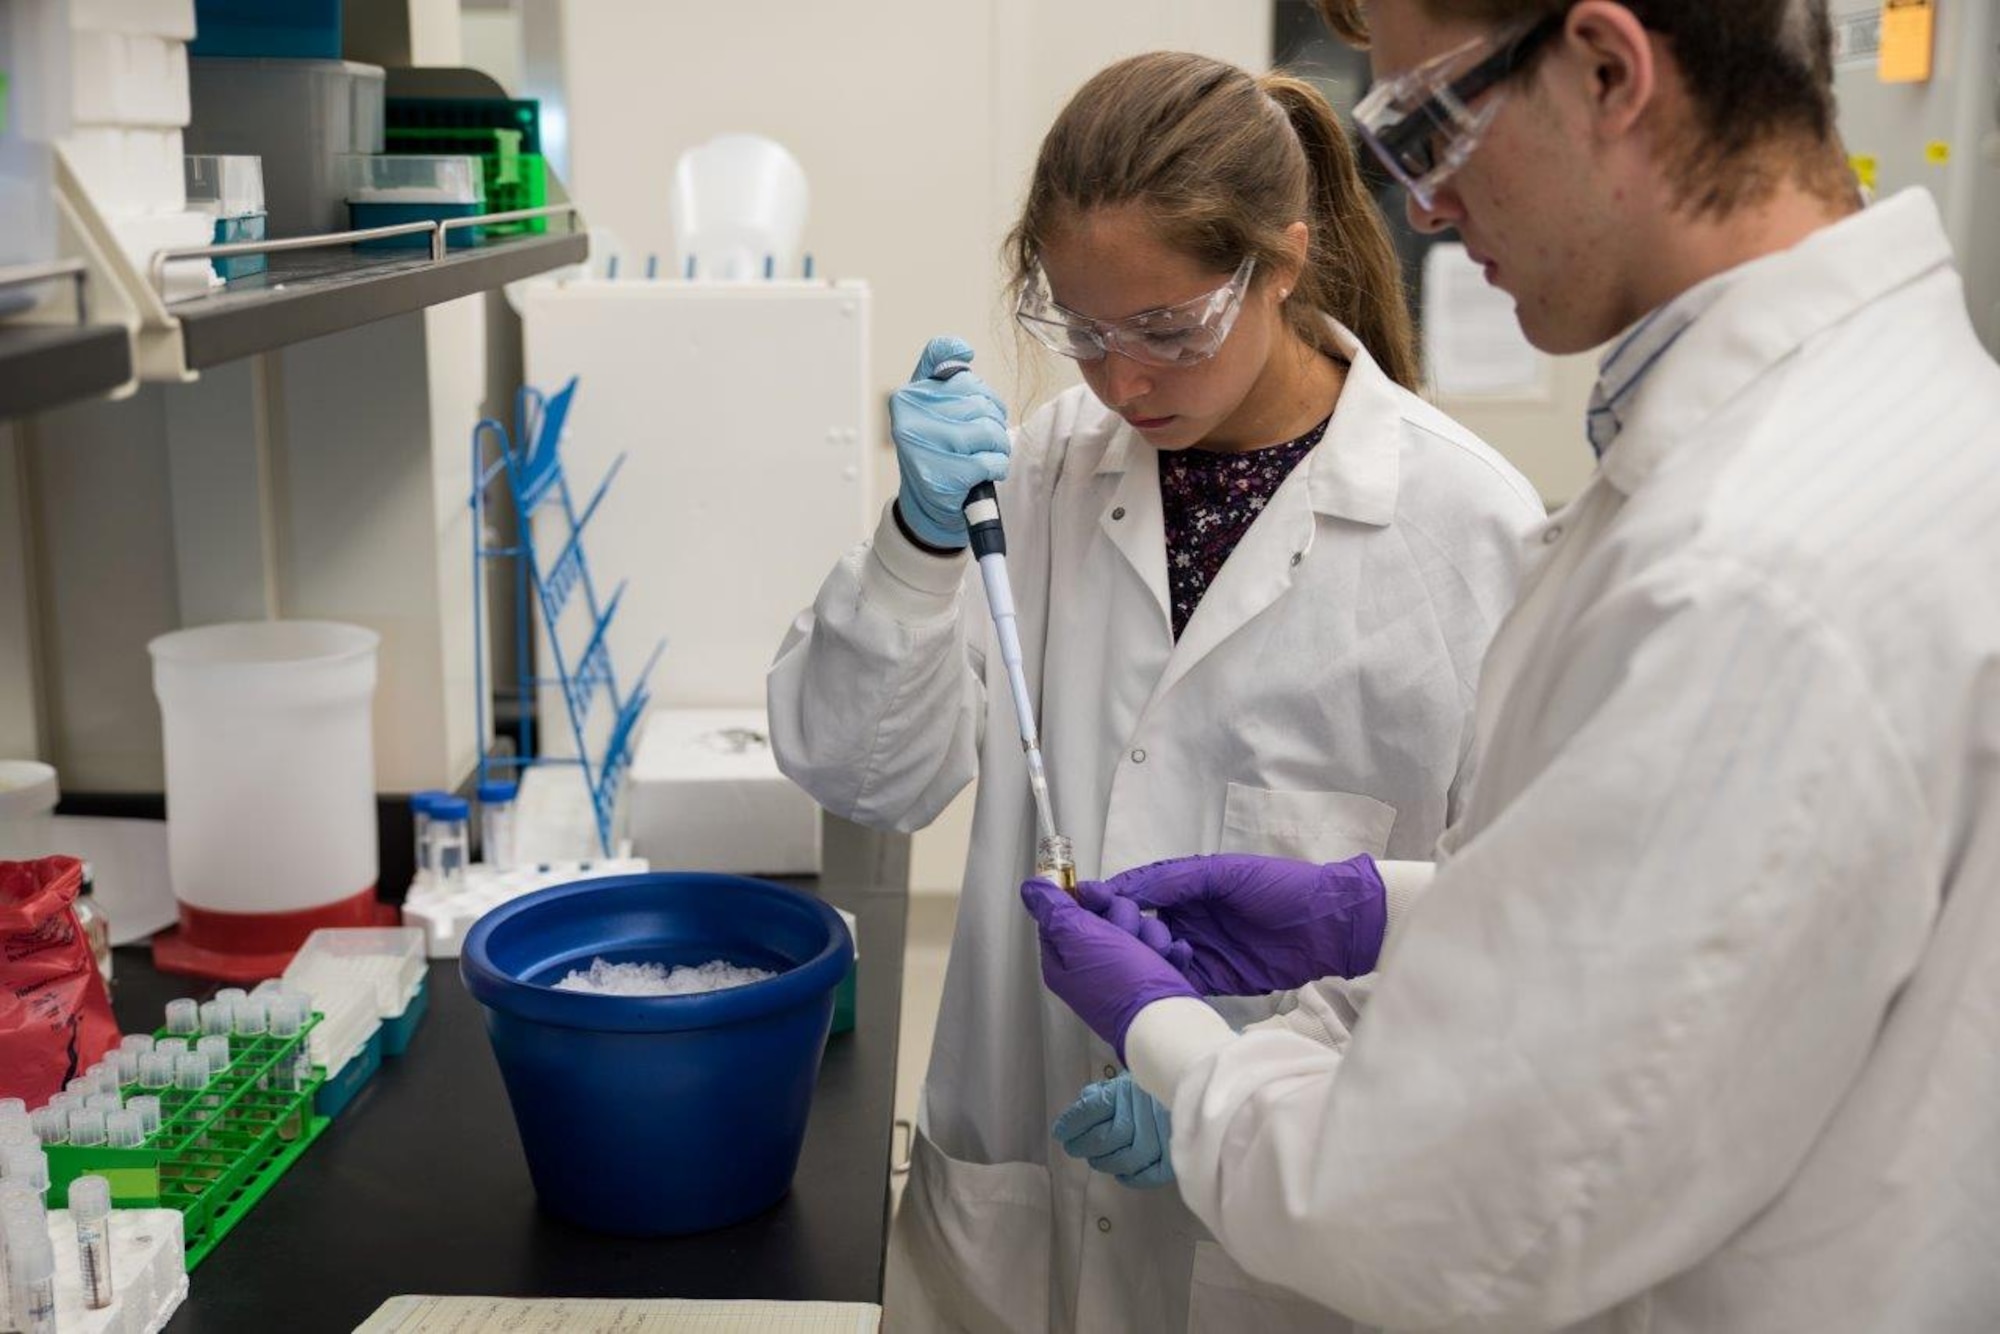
x=1635, y=354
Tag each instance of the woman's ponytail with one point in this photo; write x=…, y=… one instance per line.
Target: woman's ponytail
x=1352, y=272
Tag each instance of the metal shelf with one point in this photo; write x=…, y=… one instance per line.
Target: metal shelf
x=308, y=293
x=44, y=366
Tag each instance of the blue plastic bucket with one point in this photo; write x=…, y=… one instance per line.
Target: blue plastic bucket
x=659, y=1115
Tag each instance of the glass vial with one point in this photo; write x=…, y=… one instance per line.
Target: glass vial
x=450, y=840
x=96, y=927
x=1055, y=861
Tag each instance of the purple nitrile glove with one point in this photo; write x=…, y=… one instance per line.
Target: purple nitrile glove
x=1243, y=925
x=1103, y=972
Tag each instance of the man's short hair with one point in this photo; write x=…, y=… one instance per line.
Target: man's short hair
x=1759, y=72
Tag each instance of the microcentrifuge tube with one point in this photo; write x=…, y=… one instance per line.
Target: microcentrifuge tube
x=215, y=1050
x=156, y=1070
x=86, y=1127
x=183, y=1017
x=27, y=1164
x=190, y=1075
x=125, y=1130
x=216, y=1016
x=148, y=1109
x=252, y=1019
x=51, y=1125
x=90, y=1208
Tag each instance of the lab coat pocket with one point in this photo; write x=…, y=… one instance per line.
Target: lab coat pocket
x=1222, y=1298
x=1311, y=826
x=969, y=1250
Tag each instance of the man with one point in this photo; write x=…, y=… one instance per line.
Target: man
x=1697, y=1026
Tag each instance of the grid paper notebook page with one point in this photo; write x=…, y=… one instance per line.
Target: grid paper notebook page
x=574, y=1315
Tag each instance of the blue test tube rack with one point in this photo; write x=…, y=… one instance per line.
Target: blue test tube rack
x=527, y=462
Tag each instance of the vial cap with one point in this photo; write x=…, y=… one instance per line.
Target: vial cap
x=90, y=1197
x=136, y=1042
x=13, y=1109
x=497, y=792
x=190, y=1072
x=450, y=808
x=183, y=1017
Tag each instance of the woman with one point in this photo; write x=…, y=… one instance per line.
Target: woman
x=1247, y=556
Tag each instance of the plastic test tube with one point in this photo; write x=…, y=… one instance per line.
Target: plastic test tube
x=156, y=1070
x=147, y=1108
x=420, y=828
x=86, y=1126
x=130, y=1049
x=104, y=1102
x=449, y=843
x=183, y=1017
x=190, y=1075
x=125, y=1130
x=171, y=1047
x=252, y=1018
x=216, y=1016
x=27, y=1164
x=51, y=1125
x=215, y=1050
x=90, y=1207
x=497, y=810
x=31, y=1275
x=12, y=1109
x=104, y=1075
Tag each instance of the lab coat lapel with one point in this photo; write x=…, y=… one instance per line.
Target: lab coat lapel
x=1257, y=574
x=1352, y=474
x=1133, y=520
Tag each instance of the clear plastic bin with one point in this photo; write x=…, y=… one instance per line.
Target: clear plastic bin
x=225, y=185
x=385, y=964
x=413, y=179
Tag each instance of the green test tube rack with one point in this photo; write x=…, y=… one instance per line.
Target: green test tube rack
x=218, y=1149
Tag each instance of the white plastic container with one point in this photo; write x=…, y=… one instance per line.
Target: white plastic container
x=27, y=215
x=28, y=796
x=127, y=170
x=738, y=201
x=270, y=761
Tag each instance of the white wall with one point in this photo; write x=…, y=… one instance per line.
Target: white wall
x=916, y=123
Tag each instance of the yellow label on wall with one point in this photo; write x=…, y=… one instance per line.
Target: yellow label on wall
x=1907, y=29
x=1865, y=169
x=1937, y=152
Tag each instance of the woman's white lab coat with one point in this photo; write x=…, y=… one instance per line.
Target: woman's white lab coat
x=1317, y=705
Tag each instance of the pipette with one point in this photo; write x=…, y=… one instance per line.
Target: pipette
x=989, y=546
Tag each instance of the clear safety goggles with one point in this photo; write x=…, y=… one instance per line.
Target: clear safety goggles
x=1425, y=122
x=1177, y=335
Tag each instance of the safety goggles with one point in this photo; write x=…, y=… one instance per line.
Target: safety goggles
x=1177, y=335
x=1425, y=122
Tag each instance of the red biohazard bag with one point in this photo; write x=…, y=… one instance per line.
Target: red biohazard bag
x=55, y=1016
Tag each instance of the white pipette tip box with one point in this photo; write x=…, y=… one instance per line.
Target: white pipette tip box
x=445, y=918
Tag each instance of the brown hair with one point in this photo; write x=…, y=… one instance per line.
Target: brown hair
x=1222, y=164
x=1758, y=72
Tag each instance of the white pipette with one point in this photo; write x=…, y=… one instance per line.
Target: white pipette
x=989, y=545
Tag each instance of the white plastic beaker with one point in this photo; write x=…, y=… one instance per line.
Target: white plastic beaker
x=270, y=757
x=738, y=201
x=28, y=795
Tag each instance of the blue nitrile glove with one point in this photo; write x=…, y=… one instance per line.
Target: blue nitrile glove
x=1121, y=1129
x=951, y=435
x=1243, y=925
x=1104, y=973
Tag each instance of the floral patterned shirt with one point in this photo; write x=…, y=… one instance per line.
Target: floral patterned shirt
x=1210, y=500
